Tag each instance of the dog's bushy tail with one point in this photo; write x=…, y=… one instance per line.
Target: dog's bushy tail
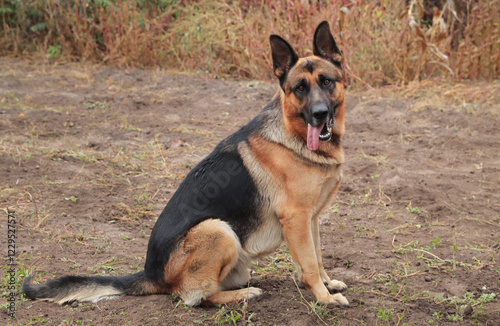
x=89, y=288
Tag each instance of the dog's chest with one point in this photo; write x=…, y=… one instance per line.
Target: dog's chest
x=328, y=189
x=268, y=236
x=284, y=183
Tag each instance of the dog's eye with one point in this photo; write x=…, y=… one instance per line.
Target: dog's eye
x=301, y=88
x=327, y=82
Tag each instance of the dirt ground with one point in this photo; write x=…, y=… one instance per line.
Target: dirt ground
x=90, y=155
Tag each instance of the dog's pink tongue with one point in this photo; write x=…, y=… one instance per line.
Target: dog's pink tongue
x=313, y=136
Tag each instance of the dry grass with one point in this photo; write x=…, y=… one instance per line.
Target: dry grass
x=384, y=42
x=477, y=98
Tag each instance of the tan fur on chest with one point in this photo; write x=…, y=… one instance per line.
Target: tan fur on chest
x=307, y=185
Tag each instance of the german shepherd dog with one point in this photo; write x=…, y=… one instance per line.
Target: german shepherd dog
x=267, y=182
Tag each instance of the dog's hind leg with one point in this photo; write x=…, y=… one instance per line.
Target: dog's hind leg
x=207, y=255
x=223, y=297
x=239, y=276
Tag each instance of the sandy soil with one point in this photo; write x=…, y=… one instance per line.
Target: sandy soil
x=90, y=156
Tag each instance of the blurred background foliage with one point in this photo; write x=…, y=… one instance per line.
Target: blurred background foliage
x=385, y=42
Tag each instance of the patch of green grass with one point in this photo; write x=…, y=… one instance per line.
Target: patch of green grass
x=413, y=210
x=54, y=52
x=281, y=265
x=460, y=304
x=385, y=315
x=433, y=245
x=144, y=202
x=365, y=232
x=231, y=314
x=334, y=209
x=75, y=264
x=319, y=309
x=12, y=281
x=434, y=260
x=437, y=317
x=368, y=195
x=109, y=266
x=72, y=199
x=100, y=105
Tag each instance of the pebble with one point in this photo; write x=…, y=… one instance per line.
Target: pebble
x=428, y=278
x=468, y=311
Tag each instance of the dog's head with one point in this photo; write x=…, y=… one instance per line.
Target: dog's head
x=312, y=88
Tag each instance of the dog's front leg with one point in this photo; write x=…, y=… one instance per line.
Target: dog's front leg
x=333, y=285
x=297, y=231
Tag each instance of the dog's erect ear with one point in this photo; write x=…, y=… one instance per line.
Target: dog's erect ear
x=284, y=57
x=324, y=44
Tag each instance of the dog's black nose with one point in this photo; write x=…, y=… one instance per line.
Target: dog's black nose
x=319, y=111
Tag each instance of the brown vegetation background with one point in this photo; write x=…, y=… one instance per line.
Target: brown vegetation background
x=385, y=42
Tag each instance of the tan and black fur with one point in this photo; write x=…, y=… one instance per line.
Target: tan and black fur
x=266, y=183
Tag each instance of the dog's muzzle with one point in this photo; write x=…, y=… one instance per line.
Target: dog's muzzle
x=320, y=128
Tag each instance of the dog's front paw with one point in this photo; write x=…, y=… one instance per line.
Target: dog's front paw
x=336, y=286
x=338, y=299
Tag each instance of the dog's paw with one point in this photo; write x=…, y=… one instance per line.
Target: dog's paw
x=252, y=293
x=339, y=300
x=336, y=286
x=336, y=299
